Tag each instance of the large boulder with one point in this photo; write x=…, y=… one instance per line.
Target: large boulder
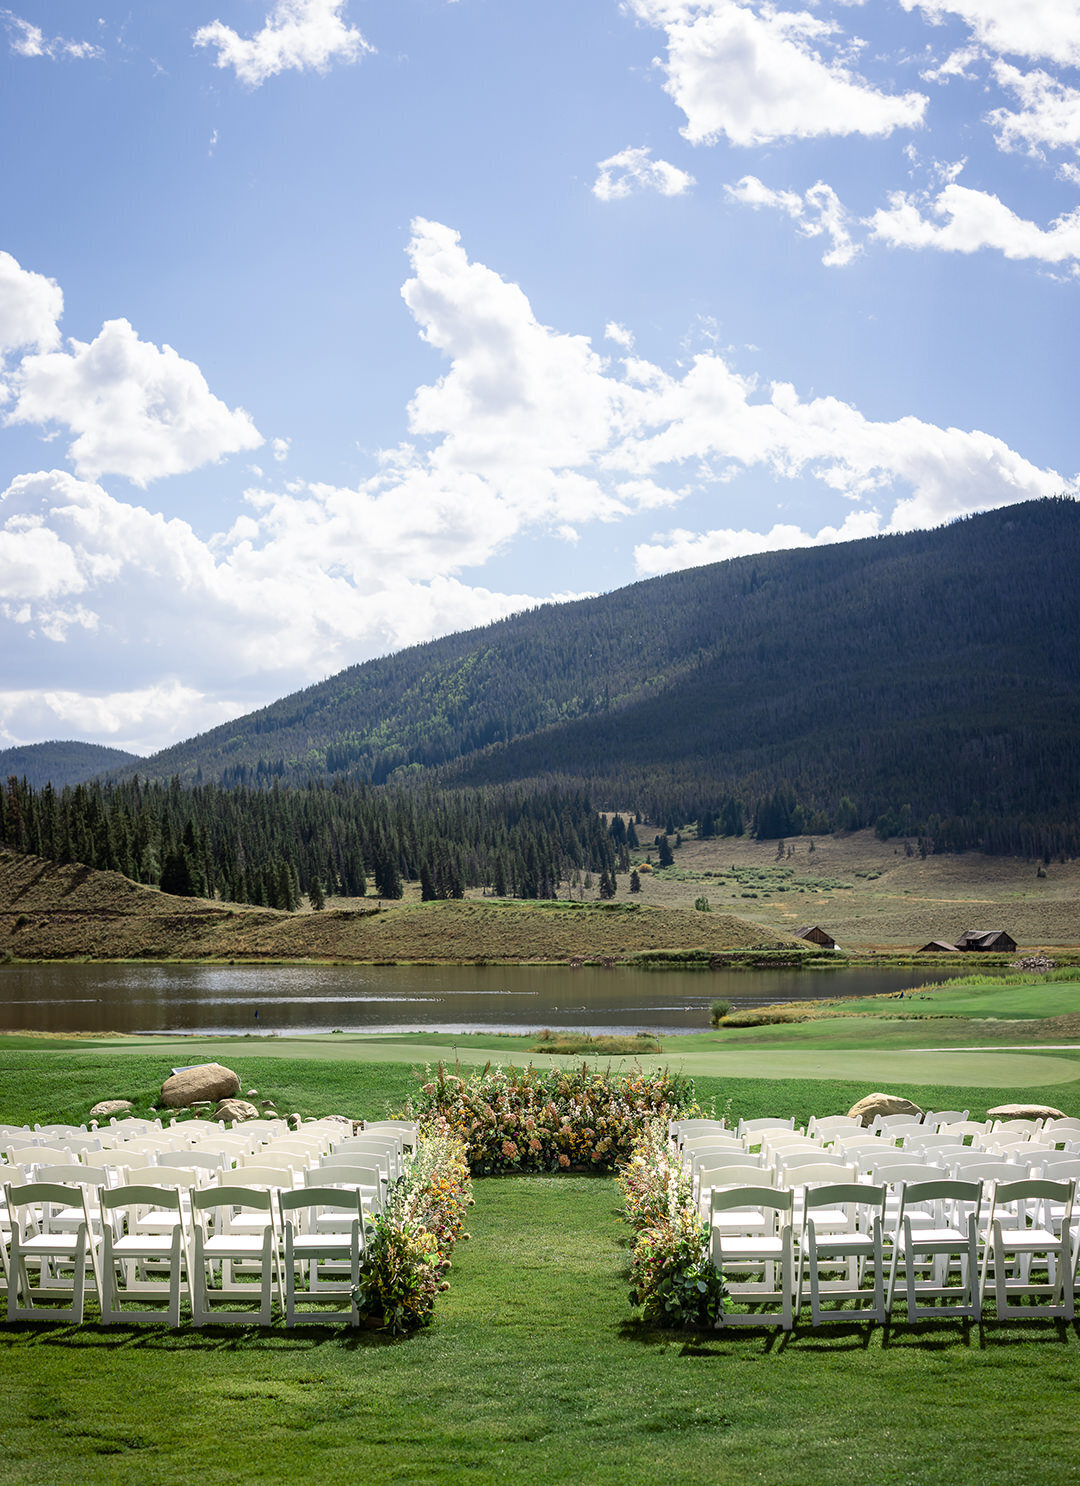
x=235, y=1111
x=868, y=1109
x=1025, y=1112
x=209, y=1081
x=109, y=1107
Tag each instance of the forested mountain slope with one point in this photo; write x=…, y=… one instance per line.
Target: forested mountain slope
x=936, y=670
x=63, y=763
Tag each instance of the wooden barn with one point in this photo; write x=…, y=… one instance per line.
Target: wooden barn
x=938, y=946
x=816, y=935
x=996, y=941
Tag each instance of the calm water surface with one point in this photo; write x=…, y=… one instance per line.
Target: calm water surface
x=362, y=998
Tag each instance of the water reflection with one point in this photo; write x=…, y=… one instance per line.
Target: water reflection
x=208, y=999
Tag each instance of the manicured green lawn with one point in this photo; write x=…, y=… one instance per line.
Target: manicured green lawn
x=535, y=1370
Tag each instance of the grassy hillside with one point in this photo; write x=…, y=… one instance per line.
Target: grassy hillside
x=63, y=912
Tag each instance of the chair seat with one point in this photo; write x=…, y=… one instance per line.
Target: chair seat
x=763, y=1248
x=851, y=1244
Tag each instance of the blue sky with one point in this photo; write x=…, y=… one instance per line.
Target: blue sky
x=328, y=326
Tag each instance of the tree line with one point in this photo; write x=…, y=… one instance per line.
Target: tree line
x=271, y=846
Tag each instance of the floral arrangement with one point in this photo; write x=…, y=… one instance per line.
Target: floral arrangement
x=407, y=1252
x=671, y=1274
x=519, y=1120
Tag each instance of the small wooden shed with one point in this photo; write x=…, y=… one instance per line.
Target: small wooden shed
x=816, y=935
x=996, y=941
x=938, y=946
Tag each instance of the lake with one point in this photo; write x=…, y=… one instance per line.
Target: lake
x=208, y=999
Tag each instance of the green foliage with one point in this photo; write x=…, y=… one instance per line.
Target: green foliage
x=408, y=1249
x=670, y=1270
x=551, y=1119
x=717, y=1011
x=702, y=904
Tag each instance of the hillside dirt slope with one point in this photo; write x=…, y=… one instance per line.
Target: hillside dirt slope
x=64, y=912
x=869, y=893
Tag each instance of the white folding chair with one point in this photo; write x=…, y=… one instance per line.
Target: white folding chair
x=368, y=1180
x=946, y=1245
x=221, y=1246
x=59, y=1259
x=837, y=1257
x=715, y=1179
x=761, y=1249
x=29, y=1157
x=323, y=1230
x=935, y=1118
x=1020, y=1230
x=134, y=1251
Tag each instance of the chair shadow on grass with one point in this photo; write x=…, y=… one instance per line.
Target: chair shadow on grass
x=697, y=1341
x=303, y=1337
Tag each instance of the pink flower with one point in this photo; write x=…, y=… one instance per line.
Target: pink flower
x=564, y=1159
x=509, y=1150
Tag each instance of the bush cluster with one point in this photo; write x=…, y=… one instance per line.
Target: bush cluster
x=408, y=1247
x=671, y=1274
x=516, y=1120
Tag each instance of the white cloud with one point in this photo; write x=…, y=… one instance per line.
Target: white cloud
x=632, y=170
x=298, y=34
x=30, y=306
x=962, y=220
x=819, y=213
x=1036, y=28
x=137, y=410
x=28, y=40
x=613, y=331
x=759, y=76
x=686, y=549
x=528, y=429
x=141, y=720
x=957, y=64
x=1049, y=114
x=280, y=449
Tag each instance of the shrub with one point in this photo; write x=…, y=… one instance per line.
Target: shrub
x=702, y=904
x=672, y=1277
x=555, y=1119
x=408, y=1247
x=718, y=1010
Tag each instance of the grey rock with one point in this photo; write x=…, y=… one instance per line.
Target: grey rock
x=109, y=1107
x=209, y=1081
x=873, y=1105
x=235, y=1111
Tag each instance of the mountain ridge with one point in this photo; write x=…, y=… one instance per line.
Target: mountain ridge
x=935, y=671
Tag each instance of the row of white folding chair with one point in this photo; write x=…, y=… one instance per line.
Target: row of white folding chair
x=127, y=1259
x=936, y=1240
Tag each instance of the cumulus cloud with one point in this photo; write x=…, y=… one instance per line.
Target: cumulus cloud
x=528, y=428
x=181, y=632
x=962, y=220
x=632, y=170
x=819, y=213
x=27, y=40
x=613, y=331
x=30, y=307
x=686, y=549
x=136, y=409
x=1049, y=113
x=767, y=74
x=299, y=34
x=1038, y=28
